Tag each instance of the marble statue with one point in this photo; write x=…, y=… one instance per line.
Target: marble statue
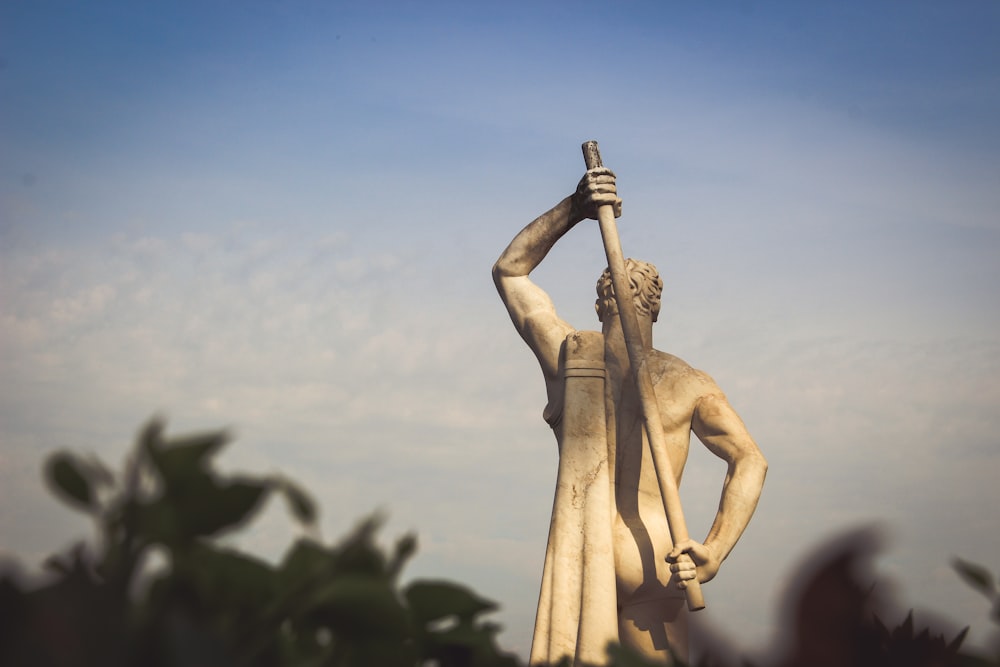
x=612, y=571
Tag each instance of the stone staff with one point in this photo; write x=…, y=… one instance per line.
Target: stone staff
x=637, y=359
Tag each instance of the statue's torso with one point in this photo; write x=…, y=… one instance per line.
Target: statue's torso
x=640, y=531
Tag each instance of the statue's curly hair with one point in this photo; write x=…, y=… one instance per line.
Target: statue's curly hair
x=646, y=286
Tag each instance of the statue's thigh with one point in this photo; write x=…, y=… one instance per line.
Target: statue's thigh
x=650, y=626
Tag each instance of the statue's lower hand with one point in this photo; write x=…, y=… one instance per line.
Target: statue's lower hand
x=702, y=562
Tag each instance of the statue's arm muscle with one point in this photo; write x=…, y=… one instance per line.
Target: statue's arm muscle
x=534, y=316
x=722, y=431
x=530, y=308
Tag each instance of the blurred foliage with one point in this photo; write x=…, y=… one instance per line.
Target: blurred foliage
x=161, y=589
x=210, y=604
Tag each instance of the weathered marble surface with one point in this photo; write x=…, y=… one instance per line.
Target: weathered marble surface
x=610, y=570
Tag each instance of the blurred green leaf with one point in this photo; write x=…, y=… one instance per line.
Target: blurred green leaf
x=468, y=643
x=228, y=577
x=306, y=561
x=435, y=600
x=623, y=656
x=157, y=522
x=206, y=508
x=65, y=476
x=300, y=503
x=406, y=546
x=358, y=553
x=217, y=507
x=176, y=460
x=150, y=436
x=976, y=576
x=355, y=606
x=464, y=634
x=98, y=473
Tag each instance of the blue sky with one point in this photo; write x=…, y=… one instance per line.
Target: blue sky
x=281, y=216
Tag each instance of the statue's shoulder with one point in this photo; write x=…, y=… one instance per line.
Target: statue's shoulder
x=670, y=369
x=669, y=363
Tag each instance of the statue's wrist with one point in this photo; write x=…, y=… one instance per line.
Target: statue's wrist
x=718, y=554
x=575, y=214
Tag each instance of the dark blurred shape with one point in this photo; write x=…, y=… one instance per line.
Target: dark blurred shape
x=834, y=615
x=830, y=604
x=342, y=605
x=985, y=583
x=338, y=605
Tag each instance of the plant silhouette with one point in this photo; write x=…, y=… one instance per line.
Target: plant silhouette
x=343, y=605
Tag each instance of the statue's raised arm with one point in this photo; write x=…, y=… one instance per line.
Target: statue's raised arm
x=530, y=308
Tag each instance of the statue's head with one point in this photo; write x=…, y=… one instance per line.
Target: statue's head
x=646, y=285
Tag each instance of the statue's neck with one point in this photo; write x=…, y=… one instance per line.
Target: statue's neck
x=613, y=335
x=615, y=351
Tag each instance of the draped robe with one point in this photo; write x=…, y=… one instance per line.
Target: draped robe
x=577, y=606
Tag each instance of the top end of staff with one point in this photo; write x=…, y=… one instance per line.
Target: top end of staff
x=592, y=155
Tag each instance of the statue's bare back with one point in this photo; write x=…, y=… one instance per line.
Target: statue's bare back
x=649, y=574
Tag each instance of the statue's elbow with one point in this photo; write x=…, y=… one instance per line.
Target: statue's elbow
x=761, y=464
x=751, y=463
x=499, y=273
x=502, y=270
